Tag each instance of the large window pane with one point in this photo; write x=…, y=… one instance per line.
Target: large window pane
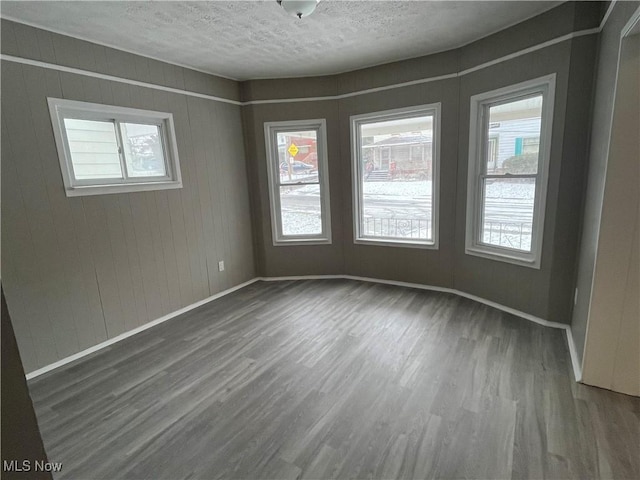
x=298, y=156
x=513, y=133
x=301, y=210
x=143, y=150
x=94, y=149
x=509, y=151
x=298, y=182
x=507, y=216
x=396, y=178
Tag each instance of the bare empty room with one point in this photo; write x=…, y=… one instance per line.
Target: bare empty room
x=320, y=239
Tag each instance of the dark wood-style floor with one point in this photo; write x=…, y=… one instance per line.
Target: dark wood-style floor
x=336, y=379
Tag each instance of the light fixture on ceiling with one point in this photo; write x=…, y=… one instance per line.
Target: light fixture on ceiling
x=299, y=8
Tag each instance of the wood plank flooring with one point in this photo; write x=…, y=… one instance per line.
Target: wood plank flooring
x=335, y=379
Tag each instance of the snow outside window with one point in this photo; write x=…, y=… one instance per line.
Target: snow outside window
x=298, y=182
x=509, y=147
x=395, y=164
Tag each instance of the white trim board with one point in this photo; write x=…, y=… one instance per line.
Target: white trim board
x=436, y=52
x=575, y=363
x=572, y=348
x=113, y=78
x=477, y=173
x=139, y=329
x=511, y=56
x=208, y=72
x=635, y=17
x=78, y=71
x=607, y=14
x=113, y=47
x=356, y=122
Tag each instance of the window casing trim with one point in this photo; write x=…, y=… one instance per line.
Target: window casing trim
x=543, y=85
x=356, y=122
x=271, y=129
x=60, y=109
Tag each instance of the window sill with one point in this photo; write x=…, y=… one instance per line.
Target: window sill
x=80, y=191
x=301, y=241
x=396, y=243
x=505, y=257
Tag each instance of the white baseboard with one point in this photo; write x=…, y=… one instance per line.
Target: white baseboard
x=572, y=348
x=136, y=330
x=573, y=352
x=575, y=362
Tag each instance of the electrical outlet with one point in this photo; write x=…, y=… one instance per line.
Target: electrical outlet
x=221, y=266
x=575, y=297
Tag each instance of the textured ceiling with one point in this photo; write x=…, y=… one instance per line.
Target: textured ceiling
x=257, y=39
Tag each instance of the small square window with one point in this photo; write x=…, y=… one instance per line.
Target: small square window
x=106, y=149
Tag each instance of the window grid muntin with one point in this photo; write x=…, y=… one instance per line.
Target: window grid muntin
x=280, y=185
x=61, y=109
x=126, y=179
x=271, y=133
x=277, y=166
x=545, y=87
x=483, y=176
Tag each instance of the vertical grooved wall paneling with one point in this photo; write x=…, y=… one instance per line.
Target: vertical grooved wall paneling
x=546, y=292
x=80, y=270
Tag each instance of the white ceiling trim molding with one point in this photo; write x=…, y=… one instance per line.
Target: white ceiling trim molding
x=113, y=78
x=108, y=45
x=607, y=13
x=548, y=43
x=490, y=63
x=353, y=94
x=526, y=51
x=215, y=38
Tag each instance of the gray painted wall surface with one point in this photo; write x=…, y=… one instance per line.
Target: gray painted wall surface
x=546, y=293
x=609, y=44
x=432, y=267
x=559, y=21
x=80, y=270
x=36, y=44
x=502, y=282
x=293, y=260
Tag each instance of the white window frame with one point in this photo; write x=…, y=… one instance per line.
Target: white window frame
x=356, y=173
x=271, y=129
x=476, y=171
x=59, y=109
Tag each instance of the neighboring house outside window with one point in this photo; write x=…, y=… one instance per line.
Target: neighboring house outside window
x=509, y=151
x=395, y=156
x=530, y=145
x=109, y=149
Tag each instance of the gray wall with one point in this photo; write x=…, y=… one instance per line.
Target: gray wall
x=431, y=267
x=607, y=59
x=546, y=293
x=80, y=270
x=292, y=260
